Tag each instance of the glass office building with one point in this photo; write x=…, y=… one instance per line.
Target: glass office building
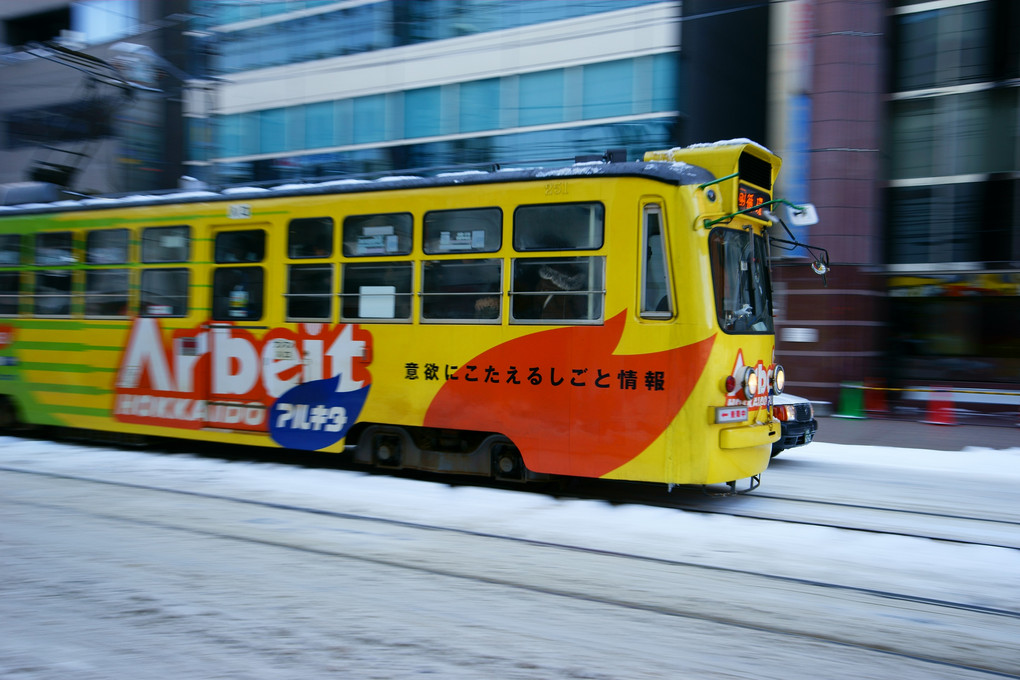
x=305, y=89
x=953, y=191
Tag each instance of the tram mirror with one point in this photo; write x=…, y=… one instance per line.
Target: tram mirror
x=803, y=215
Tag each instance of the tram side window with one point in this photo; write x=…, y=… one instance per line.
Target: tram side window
x=656, y=298
x=52, y=290
x=166, y=244
x=471, y=230
x=559, y=226
x=164, y=292
x=373, y=235
x=237, y=293
x=376, y=291
x=107, y=246
x=10, y=281
x=106, y=292
x=54, y=249
x=240, y=246
x=9, y=290
x=462, y=290
x=10, y=249
x=52, y=294
x=310, y=237
x=309, y=292
x=570, y=289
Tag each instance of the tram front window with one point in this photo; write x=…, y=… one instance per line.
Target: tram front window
x=743, y=293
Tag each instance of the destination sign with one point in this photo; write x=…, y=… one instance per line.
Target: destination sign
x=749, y=198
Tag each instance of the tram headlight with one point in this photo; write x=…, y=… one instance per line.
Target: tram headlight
x=750, y=383
x=778, y=379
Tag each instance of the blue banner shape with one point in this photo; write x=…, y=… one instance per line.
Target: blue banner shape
x=314, y=415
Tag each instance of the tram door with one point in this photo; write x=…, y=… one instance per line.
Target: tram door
x=238, y=287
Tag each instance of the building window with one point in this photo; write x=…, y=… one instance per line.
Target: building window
x=540, y=98
x=370, y=119
x=319, y=125
x=479, y=105
x=944, y=47
x=946, y=136
x=273, y=131
x=665, y=82
x=608, y=89
x=422, y=117
x=941, y=223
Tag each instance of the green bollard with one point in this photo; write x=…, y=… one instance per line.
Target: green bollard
x=851, y=401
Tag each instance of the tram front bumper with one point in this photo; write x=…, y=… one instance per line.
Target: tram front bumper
x=747, y=436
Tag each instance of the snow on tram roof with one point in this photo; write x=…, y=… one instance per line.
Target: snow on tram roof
x=672, y=172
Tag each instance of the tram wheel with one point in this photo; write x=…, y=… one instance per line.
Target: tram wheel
x=507, y=463
x=386, y=450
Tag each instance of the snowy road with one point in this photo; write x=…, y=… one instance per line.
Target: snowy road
x=173, y=566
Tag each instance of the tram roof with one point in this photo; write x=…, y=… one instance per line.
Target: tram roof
x=670, y=172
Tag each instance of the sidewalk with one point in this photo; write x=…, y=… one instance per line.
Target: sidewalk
x=915, y=435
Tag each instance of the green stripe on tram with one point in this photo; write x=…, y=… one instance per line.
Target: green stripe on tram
x=69, y=325
x=77, y=411
x=62, y=368
x=69, y=389
x=45, y=345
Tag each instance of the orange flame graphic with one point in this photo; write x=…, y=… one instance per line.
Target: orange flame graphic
x=570, y=404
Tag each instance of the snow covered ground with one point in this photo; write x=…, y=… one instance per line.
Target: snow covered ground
x=976, y=482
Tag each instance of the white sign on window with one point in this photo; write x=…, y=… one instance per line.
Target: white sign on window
x=377, y=302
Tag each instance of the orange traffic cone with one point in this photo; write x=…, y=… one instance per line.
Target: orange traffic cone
x=940, y=407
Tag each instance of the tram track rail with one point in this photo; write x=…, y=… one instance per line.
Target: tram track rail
x=551, y=566
x=946, y=527
x=910, y=523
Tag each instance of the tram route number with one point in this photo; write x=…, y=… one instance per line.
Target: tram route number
x=308, y=417
x=557, y=189
x=239, y=211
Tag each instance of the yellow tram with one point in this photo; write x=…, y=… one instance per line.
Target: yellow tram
x=607, y=319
